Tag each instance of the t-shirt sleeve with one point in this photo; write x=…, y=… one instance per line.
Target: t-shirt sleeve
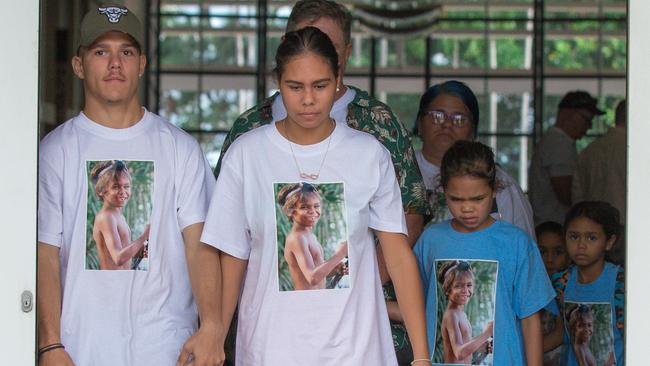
x=225, y=225
x=50, y=195
x=196, y=183
x=386, y=212
x=560, y=160
x=532, y=288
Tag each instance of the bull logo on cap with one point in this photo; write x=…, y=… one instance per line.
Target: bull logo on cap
x=113, y=13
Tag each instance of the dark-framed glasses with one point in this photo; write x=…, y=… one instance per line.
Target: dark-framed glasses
x=438, y=118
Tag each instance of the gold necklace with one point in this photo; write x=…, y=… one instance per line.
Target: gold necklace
x=301, y=174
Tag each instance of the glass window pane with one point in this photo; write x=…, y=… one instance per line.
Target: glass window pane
x=507, y=113
x=179, y=49
x=573, y=53
x=180, y=107
x=459, y=53
x=211, y=144
x=221, y=107
x=512, y=154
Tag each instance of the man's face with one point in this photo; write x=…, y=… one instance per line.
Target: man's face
x=110, y=68
x=583, y=119
x=335, y=33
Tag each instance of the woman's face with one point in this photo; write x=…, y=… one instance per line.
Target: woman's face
x=584, y=329
x=308, y=87
x=307, y=211
x=118, y=191
x=441, y=137
x=461, y=289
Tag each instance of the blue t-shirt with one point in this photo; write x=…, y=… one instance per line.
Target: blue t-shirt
x=509, y=284
x=603, y=297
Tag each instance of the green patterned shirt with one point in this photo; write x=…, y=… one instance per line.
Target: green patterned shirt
x=364, y=114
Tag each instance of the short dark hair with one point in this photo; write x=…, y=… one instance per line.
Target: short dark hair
x=312, y=10
x=308, y=39
x=468, y=158
x=451, y=87
x=602, y=213
x=549, y=227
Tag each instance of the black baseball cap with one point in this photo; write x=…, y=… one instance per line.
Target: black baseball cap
x=580, y=99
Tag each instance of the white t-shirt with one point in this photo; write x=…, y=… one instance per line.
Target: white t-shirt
x=136, y=316
x=555, y=156
x=339, y=326
x=339, y=110
x=512, y=205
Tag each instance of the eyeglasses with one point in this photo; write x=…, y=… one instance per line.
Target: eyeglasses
x=438, y=118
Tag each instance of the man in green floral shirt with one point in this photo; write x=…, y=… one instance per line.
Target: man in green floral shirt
x=360, y=111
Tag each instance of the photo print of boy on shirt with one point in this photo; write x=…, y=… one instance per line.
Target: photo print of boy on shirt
x=589, y=326
x=466, y=293
x=118, y=214
x=311, y=229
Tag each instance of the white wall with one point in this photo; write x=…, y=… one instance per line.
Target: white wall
x=18, y=144
x=638, y=200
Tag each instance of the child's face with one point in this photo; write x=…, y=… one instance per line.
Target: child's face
x=584, y=329
x=553, y=250
x=586, y=242
x=307, y=210
x=470, y=201
x=461, y=289
x=118, y=191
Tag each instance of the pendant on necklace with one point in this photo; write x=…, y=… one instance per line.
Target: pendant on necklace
x=308, y=176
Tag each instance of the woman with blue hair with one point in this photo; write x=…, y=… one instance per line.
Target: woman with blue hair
x=449, y=112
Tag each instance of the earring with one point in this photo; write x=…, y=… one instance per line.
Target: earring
x=338, y=89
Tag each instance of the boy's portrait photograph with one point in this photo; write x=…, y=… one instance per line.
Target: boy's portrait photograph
x=466, y=293
x=589, y=326
x=311, y=232
x=118, y=214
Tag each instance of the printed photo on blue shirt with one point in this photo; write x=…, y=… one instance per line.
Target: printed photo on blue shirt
x=589, y=326
x=311, y=228
x=466, y=302
x=118, y=214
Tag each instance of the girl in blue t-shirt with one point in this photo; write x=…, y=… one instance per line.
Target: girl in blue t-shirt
x=509, y=284
x=591, y=230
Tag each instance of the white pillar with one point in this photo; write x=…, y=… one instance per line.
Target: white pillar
x=638, y=199
x=18, y=148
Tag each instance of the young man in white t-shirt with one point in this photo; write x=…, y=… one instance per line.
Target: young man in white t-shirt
x=143, y=312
